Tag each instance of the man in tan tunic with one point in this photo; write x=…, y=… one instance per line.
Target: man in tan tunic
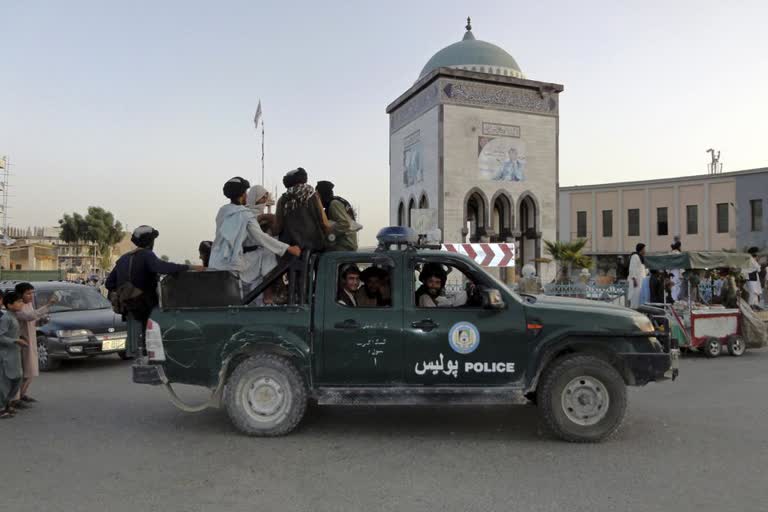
x=28, y=317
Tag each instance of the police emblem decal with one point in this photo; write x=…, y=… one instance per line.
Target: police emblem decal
x=464, y=338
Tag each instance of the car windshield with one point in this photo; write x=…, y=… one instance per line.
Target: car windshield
x=72, y=299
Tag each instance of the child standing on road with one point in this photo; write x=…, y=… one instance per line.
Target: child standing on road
x=28, y=317
x=10, y=354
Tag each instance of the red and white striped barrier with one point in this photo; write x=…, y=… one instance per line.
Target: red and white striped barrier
x=486, y=255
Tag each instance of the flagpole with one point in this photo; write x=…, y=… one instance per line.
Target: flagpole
x=262, y=151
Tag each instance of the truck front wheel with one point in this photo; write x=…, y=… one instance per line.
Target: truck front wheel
x=265, y=396
x=582, y=398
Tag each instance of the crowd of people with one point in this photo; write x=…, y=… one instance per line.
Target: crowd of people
x=720, y=285
x=18, y=348
x=368, y=288
x=248, y=241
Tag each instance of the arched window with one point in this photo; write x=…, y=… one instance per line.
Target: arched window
x=530, y=247
x=401, y=214
x=423, y=202
x=475, y=216
x=528, y=215
x=411, y=207
x=501, y=217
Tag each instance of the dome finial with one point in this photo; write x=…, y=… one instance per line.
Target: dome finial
x=468, y=35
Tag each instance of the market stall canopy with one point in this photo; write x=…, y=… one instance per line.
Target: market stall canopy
x=698, y=260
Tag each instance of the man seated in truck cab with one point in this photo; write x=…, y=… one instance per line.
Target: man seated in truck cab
x=375, y=291
x=349, y=283
x=431, y=293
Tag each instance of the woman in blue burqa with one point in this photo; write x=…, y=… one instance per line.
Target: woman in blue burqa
x=238, y=233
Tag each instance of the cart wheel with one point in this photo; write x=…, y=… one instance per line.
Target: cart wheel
x=711, y=347
x=736, y=345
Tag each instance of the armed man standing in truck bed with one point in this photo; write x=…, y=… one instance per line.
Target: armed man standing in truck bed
x=132, y=284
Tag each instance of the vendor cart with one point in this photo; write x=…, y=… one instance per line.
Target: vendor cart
x=703, y=327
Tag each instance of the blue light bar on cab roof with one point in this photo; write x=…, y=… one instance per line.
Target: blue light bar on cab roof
x=397, y=235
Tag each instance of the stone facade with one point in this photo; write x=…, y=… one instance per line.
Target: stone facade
x=483, y=151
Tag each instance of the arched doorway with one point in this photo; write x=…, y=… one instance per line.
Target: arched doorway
x=529, y=230
x=411, y=207
x=475, y=216
x=423, y=202
x=401, y=214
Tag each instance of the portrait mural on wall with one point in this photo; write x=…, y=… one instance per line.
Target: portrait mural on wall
x=501, y=158
x=413, y=164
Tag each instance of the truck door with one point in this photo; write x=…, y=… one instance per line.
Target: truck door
x=362, y=322
x=459, y=342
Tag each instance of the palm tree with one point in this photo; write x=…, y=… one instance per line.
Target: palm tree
x=568, y=255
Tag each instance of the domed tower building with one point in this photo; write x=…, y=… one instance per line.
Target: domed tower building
x=475, y=143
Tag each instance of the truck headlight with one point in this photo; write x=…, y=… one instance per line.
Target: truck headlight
x=73, y=333
x=644, y=323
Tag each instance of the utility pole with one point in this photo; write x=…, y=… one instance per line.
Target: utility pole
x=5, y=172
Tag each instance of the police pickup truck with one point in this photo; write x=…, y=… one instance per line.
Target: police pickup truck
x=311, y=332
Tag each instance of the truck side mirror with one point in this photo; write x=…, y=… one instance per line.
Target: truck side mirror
x=492, y=299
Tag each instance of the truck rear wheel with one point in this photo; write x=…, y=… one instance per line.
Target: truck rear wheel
x=582, y=399
x=265, y=396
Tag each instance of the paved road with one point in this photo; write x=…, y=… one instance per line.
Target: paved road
x=97, y=442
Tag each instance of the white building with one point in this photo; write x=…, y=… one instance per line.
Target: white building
x=478, y=142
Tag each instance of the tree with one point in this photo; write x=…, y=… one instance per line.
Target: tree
x=568, y=255
x=103, y=229
x=187, y=262
x=98, y=227
x=74, y=228
x=165, y=258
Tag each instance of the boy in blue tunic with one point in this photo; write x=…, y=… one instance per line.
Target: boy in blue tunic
x=10, y=353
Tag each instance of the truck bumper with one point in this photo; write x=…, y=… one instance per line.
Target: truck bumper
x=151, y=374
x=649, y=367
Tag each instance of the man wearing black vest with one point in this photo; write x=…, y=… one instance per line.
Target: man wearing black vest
x=142, y=268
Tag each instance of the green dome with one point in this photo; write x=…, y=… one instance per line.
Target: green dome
x=473, y=55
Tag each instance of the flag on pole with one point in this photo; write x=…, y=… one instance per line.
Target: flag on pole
x=257, y=117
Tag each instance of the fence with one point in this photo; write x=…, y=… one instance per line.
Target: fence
x=31, y=275
x=614, y=293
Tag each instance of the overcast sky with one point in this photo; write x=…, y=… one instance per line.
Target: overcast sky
x=146, y=107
